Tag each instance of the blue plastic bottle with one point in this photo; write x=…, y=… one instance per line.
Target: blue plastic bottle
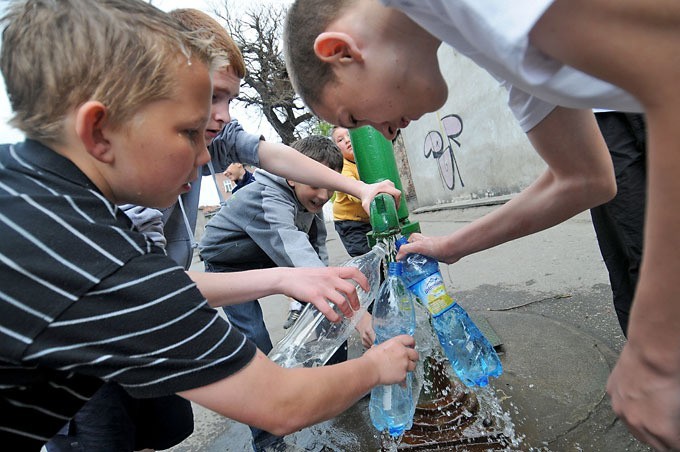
x=391, y=407
x=471, y=355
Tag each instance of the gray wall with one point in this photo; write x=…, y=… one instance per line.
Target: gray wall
x=472, y=147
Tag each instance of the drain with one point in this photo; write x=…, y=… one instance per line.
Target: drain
x=449, y=417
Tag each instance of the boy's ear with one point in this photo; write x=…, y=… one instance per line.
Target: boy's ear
x=337, y=47
x=290, y=183
x=91, y=120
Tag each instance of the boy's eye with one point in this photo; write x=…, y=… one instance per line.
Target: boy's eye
x=193, y=134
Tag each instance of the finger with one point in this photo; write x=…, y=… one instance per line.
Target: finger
x=407, y=248
x=356, y=275
x=397, y=198
x=354, y=304
x=418, y=246
x=406, y=340
x=411, y=366
x=326, y=309
x=350, y=298
x=340, y=301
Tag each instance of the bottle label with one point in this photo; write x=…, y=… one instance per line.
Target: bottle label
x=432, y=292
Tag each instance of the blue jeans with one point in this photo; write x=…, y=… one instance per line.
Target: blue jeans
x=248, y=318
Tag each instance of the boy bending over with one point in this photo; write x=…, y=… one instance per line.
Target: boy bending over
x=358, y=62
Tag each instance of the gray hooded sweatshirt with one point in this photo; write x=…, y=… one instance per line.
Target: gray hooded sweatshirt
x=264, y=225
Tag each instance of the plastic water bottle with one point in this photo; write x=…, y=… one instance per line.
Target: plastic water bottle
x=471, y=355
x=391, y=407
x=313, y=339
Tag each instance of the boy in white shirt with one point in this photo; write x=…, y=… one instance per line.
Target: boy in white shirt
x=366, y=62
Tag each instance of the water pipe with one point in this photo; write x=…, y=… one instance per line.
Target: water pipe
x=374, y=157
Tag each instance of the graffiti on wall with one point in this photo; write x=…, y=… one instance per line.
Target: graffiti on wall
x=441, y=148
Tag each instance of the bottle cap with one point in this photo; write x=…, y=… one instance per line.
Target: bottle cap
x=400, y=241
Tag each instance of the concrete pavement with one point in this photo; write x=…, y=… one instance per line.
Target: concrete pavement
x=547, y=297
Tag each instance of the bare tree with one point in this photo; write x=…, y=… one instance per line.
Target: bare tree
x=266, y=86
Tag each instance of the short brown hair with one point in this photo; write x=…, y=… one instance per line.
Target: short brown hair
x=58, y=54
x=208, y=28
x=322, y=149
x=306, y=20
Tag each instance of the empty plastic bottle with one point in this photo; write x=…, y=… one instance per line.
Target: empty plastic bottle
x=313, y=339
x=391, y=407
x=471, y=355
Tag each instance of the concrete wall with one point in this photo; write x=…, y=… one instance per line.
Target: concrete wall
x=472, y=147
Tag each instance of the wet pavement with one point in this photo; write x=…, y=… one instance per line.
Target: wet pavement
x=547, y=297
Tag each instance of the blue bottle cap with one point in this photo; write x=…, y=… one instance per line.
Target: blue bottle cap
x=401, y=241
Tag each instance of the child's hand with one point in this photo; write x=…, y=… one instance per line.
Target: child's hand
x=365, y=329
x=436, y=247
x=320, y=286
x=370, y=191
x=393, y=359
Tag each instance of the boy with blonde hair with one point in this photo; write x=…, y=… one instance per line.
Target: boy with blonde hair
x=228, y=143
x=350, y=219
x=85, y=297
x=559, y=59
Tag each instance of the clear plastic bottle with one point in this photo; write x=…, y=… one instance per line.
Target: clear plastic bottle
x=313, y=339
x=391, y=407
x=471, y=355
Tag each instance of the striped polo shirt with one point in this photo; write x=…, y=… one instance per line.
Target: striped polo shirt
x=85, y=298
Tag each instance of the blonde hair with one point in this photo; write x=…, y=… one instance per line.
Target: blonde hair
x=209, y=29
x=58, y=54
x=306, y=20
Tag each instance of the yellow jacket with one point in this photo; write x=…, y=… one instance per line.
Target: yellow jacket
x=347, y=207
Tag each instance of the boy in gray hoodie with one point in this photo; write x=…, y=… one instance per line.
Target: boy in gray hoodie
x=272, y=222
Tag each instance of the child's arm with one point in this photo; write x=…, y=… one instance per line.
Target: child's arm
x=233, y=144
x=318, y=286
x=573, y=182
x=635, y=45
x=286, y=162
x=283, y=401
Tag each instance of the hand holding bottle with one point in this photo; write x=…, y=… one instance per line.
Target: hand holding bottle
x=471, y=355
x=314, y=338
x=319, y=286
x=391, y=407
x=434, y=247
x=365, y=330
x=393, y=359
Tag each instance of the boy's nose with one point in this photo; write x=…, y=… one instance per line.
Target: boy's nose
x=221, y=112
x=203, y=156
x=388, y=131
x=325, y=195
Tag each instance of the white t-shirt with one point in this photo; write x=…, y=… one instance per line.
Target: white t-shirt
x=495, y=35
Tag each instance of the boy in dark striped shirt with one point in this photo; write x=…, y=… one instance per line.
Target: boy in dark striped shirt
x=114, y=112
